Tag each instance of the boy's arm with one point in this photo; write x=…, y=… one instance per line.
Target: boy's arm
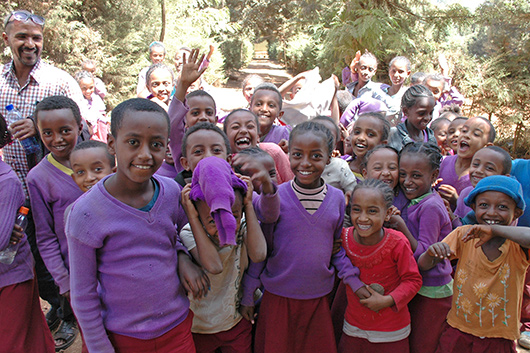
x=189, y=74
x=435, y=254
x=177, y=117
x=519, y=235
x=254, y=239
x=85, y=299
x=47, y=240
x=10, y=201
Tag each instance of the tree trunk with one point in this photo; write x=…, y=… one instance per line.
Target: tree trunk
x=163, y=10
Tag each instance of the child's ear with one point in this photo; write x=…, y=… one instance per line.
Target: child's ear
x=364, y=172
x=111, y=141
x=229, y=159
x=184, y=163
x=489, y=144
x=114, y=169
x=404, y=110
x=434, y=175
x=388, y=214
x=281, y=114
x=384, y=142
x=518, y=213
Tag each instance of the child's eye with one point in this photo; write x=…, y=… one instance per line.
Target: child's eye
x=157, y=144
x=503, y=207
x=132, y=142
x=209, y=113
x=46, y=133
x=416, y=176
x=356, y=209
x=197, y=151
x=98, y=169
x=317, y=156
x=296, y=154
x=65, y=131
x=372, y=211
x=483, y=205
x=217, y=150
x=80, y=172
x=371, y=134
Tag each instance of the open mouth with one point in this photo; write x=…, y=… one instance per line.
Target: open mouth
x=464, y=146
x=492, y=222
x=363, y=226
x=244, y=141
x=144, y=167
x=305, y=172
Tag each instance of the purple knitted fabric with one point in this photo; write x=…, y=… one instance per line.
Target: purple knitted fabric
x=214, y=182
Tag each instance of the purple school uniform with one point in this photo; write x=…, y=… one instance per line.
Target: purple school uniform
x=461, y=209
x=51, y=191
x=177, y=116
x=124, y=265
x=300, y=264
x=276, y=134
x=167, y=170
x=11, y=198
x=448, y=174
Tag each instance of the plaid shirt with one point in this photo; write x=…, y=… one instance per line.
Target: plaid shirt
x=44, y=81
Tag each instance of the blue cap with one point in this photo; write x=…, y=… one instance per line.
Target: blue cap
x=502, y=183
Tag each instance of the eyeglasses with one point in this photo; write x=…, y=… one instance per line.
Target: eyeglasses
x=24, y=16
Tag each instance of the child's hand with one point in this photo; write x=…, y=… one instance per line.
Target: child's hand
x=335, y=81
x=284, y=144
x=452, y=216
x=210, y=53
x=377, y=301
x=259, y=174
x=192, y=277
x=363, y=293
x=250, y=189
x=337, y=244
x=344, y=133
x=449, y=193
x=16, y=235
x=335, y=154
x=190, y=68
x=395, y=222
x=248, y=313
x=481, y=232
x=187, y=204
x=440, y=251
x=356, y=60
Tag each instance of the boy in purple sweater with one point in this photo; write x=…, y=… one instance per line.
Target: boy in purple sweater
x=129, y=270
x=51, y=191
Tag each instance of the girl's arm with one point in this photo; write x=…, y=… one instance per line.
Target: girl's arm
x=190, y=73
x=519, y=235
x=396, y=222
x=289, y=84
x=254, y=239
x=11, y=198
x=431, y=221
x=208, y=257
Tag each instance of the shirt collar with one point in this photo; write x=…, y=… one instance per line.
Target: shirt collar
x=417, y=200
x=36, y=72
x=58, y=165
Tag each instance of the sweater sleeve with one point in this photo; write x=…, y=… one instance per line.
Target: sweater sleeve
x=410, y=282
x=85, y=298
x=267, y=206
x=11, y=198
x=429, y=229
x=47, y=240
x=177, y=113
x=346, y=271
x=251, y=282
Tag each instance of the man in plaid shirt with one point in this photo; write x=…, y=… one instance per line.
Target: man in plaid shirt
x=24, y=82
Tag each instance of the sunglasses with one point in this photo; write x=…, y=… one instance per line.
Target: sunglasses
x=25, y=17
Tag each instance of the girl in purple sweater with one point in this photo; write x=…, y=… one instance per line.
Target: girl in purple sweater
x=299, y=271
x=428, y=221
x=22, y=324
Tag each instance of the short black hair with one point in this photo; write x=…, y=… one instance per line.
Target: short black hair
x=204, y=126
x=381, y=117
x=85, y=145
x=5, y=136
x=134, y=104
x=201, y=93
x=57, y=103
x=328, y=119
x=417, y=78
x=227, y=118
x=400, y=59
x=250, y=77
x=506, y=158
x=156, y=44
x=492, y=134
x=413, y=93
x=436, y=122
x=81, y=75
x=375, y=149
x=428, y=150
x=156, y=67
x=267, y=86
x=316, y=129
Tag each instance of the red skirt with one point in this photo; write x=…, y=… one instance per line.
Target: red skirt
x=427, y=319
x=177, y=340
x=525, y=309
x=236, y=340
x=456, y=341
x=350, y=344
x=23, y=327
x=288, y=325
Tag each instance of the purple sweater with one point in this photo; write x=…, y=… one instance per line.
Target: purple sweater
x=124, y=266
x=448, y=174
x=11, y=198
x=300, y=264
x=276, y=134
x=177, y=116
x=429, y=222
x=461, y=209
x=167, y=170
x=51, y=191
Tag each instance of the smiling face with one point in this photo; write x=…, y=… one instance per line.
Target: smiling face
x=440, y=133
x=208, y=222
x=366, y=69
x=266, y=106
x=415, y=175
x=383, y=165
x=59, y=131
x=202, y=144
x=436, y=87
x=161, y=84
x=242, y=130
x=473, y=136
x=157, y=54
x=248, y=90
x=25, y=41
x=202, y=109
x=495, y=207
x=366, y=134
x=398, y=73
x=90, y=165
x=87, y=87
x=308, y=155
x=453, y=132
x=486, y=162
x=368, y=213
x=140, y=146
x=420, y=114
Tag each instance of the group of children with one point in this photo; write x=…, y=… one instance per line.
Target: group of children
x=321, y=253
